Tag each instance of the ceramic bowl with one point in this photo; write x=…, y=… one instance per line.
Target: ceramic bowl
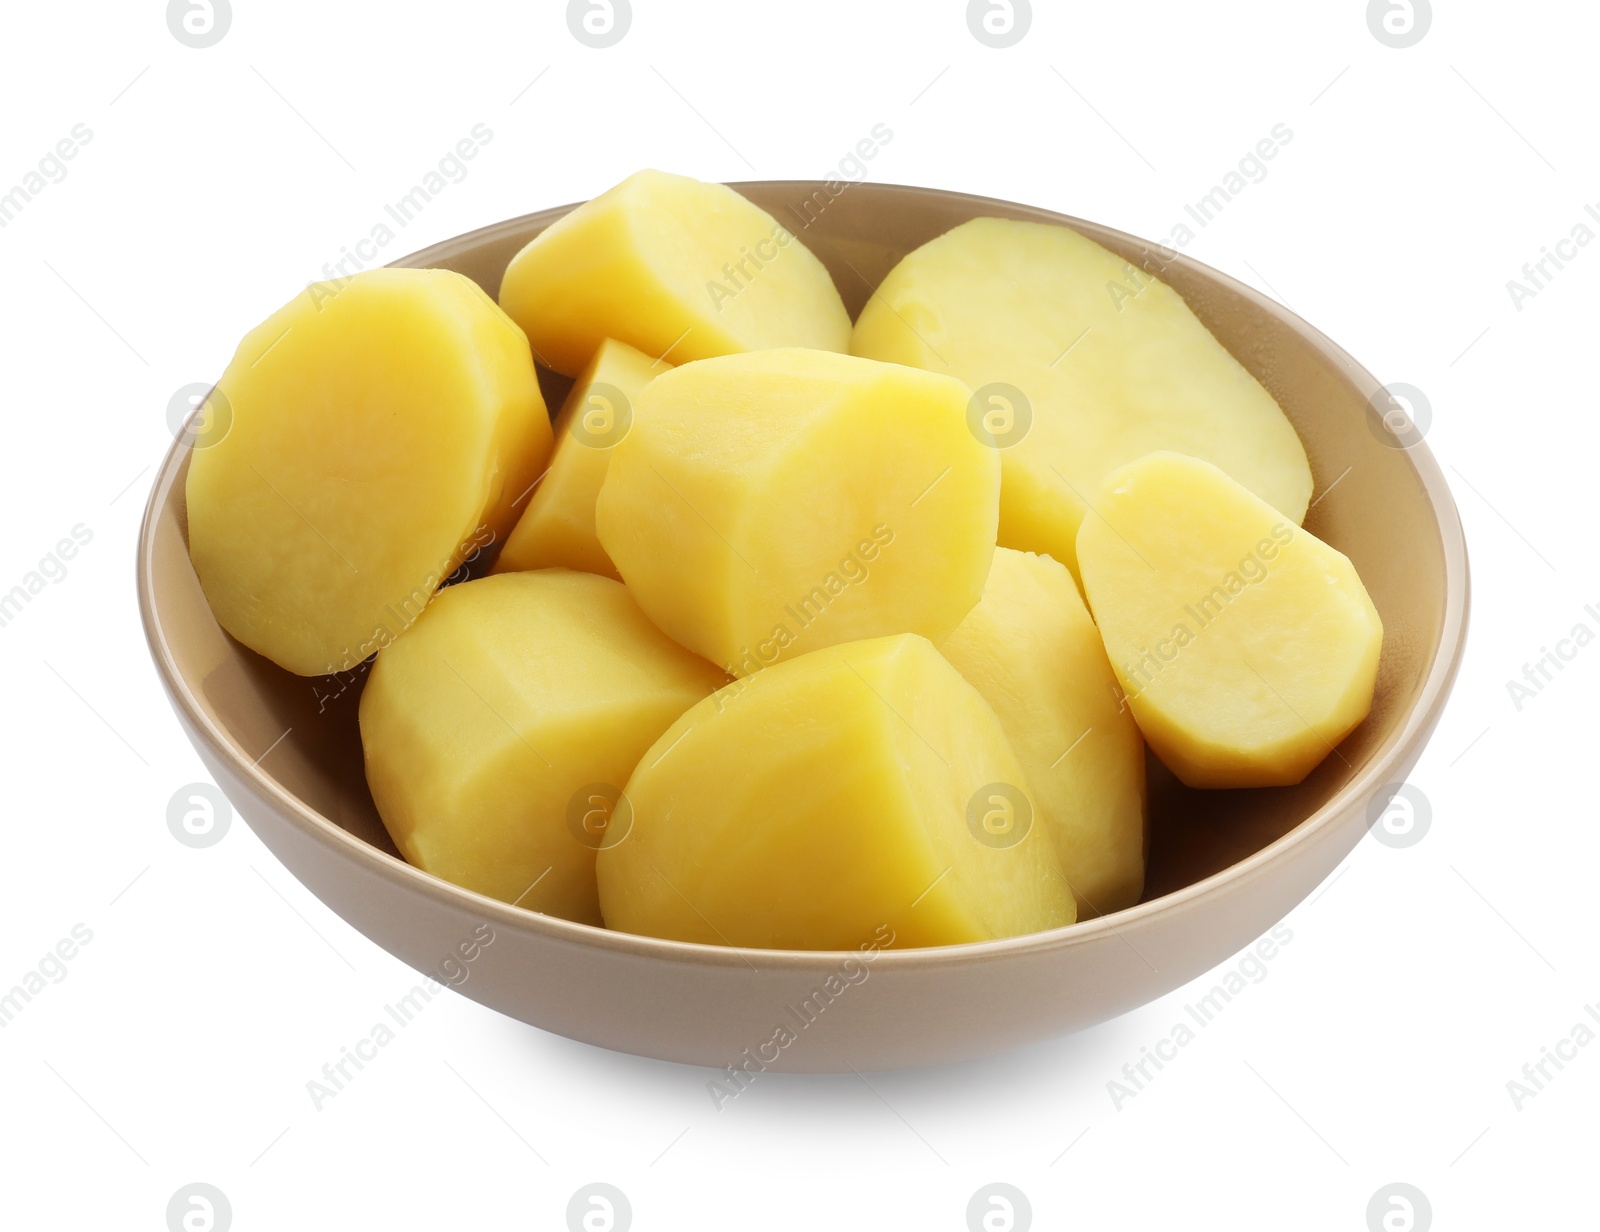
x=1224, y=866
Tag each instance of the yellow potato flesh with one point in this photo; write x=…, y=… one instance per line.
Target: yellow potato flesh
x=492, y=727
x=1111, y=361
x=557, y=529
x=678, y=268
x=375, y=433
x=1246, y=646
x=824, y=802
x=1032, y=651
x=766, y=505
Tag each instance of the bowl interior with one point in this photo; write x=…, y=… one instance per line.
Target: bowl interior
x=1371, y=501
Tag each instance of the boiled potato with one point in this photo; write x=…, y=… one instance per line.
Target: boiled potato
x=1109, y=361
x=680, y=269
x=558, y=527
x=1247, y=647
x=1032, y=651
x=860, y=787
x=381, y=429
x=497, y=725
x=769, y=504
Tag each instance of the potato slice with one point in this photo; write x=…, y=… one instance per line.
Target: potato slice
x=492, y=727
x=680, y=269
x=1110, y=363
x=1247, y=647
x=376, y=432
x=861, y=788
x=1032, y=651
x=769, y=504
x=557, y=529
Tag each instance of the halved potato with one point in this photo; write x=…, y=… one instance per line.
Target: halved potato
x=499, y=728
x=381, y=428
x=680, y=269
x=1080, y=363
x=1246, y=646
x=557, y=528
x=769, y=504
x=1032, y=651
x=860, y=788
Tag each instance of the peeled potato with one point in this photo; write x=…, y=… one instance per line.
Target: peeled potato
x=494, y=727
x=376, y=431
x=681, y=269
x=1032, y=651
x=1109, y=361
x=808, y=807
x=769, y=504
x=557, y=529
x=1247, y=647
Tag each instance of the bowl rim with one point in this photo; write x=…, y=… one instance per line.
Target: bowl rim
x=1397, y=752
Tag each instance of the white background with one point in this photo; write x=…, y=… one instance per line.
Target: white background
x=217, y=183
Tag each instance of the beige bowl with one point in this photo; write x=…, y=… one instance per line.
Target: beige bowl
x=1224, y=866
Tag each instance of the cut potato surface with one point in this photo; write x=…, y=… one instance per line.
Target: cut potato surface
x=1109, y=361
x=1032, y=651
x=681, y=269
x=494, y=727
x=862, y=787
x=770, y=504
x=1246, y=646
x=381, y=428
x=557, y=529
